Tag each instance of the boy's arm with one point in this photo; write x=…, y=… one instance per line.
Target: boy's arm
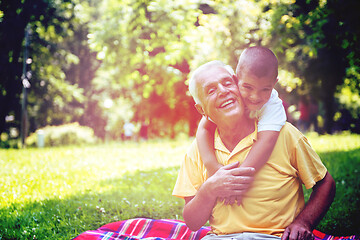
x=272, y=119
x=257, y=157
x=261, y=150
x=205, y=141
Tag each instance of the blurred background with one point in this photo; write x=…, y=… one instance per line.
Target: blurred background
x=118, y=69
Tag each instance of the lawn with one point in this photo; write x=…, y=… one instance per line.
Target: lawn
x=57, y=193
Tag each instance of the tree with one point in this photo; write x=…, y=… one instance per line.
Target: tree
x=145, y=55
x=318, y=40
x=47, y=23
x=148, y=48
x=62, y=64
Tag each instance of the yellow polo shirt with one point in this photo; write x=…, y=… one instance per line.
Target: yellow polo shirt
x=275, y=197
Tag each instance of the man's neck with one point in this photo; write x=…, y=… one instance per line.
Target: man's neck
x=232, y=134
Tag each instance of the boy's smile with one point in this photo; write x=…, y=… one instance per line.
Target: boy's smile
x=255, y=91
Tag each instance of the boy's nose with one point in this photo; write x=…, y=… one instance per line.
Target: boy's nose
x=254, y=97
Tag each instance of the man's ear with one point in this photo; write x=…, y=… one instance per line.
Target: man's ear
x=200, y=109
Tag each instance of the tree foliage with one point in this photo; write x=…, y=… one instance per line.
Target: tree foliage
x=318, y=41
x=145, y=57
x=148, y=49
x=48, y=24
x=103, y=63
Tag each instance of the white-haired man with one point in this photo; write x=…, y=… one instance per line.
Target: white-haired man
x=273, y=205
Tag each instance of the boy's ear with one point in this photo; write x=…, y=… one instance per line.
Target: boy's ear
x=277, y=79
x=200, y=109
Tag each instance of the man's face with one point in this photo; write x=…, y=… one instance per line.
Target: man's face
x=255, y=91
x=219, y=95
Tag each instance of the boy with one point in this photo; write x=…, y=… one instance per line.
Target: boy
x=257, y=72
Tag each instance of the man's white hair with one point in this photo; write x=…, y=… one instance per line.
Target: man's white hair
x=194, y=91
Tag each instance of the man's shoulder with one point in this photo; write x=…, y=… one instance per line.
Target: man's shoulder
x=290, y=132
x=193, y=150
x=288, y=127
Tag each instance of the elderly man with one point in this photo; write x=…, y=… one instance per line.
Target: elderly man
x=273, y=204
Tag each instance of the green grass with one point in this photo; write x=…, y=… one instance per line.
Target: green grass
x=57, y=193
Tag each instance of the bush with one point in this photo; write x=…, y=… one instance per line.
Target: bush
x=10, y=143
x=67, y=134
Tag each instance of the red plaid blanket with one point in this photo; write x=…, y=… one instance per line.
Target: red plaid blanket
x=152, y=229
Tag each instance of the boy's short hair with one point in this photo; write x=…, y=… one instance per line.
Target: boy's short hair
x=259, y=61
x=192, y=81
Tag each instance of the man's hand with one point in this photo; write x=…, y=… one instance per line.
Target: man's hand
x=227, y=181
x=230, y=180
x=233, y=199
x=297, y=231
x=316, y=207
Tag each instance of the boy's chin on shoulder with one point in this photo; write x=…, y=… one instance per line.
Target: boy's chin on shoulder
x=253, y=113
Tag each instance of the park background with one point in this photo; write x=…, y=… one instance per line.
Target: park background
x=74, y=72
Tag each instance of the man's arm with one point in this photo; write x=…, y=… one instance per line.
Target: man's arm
x=228, y=180
x=320, y=200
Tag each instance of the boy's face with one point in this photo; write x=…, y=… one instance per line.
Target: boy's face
x=255, y=91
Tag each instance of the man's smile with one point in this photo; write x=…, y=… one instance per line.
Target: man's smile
x=227, y=103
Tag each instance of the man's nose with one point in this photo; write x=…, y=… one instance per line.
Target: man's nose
x=222, y=89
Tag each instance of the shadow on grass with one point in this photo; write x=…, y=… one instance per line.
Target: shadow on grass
x=138, y=194
x=148, y=194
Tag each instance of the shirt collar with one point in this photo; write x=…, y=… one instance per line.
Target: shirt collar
x=246, y=142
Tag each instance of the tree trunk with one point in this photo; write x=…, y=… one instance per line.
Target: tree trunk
x=329, y=107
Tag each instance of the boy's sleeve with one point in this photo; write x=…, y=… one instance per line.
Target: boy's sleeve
x=272, y=116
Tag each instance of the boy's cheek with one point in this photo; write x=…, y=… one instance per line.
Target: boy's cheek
x=243, y=93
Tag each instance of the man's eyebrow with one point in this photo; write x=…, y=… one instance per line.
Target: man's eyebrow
x=208, y=85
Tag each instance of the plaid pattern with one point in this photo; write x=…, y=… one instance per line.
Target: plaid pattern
x=152, y=229
x=319, y=235
x=143, y=228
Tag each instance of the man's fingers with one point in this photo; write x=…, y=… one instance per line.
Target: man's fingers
x=231, y=166
x=307, y=236
x=238, y=200
x=238, y=192
x=231, y=200
x=293, y=235
x=243, y=171
x=285, y=236
x=241, y=181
